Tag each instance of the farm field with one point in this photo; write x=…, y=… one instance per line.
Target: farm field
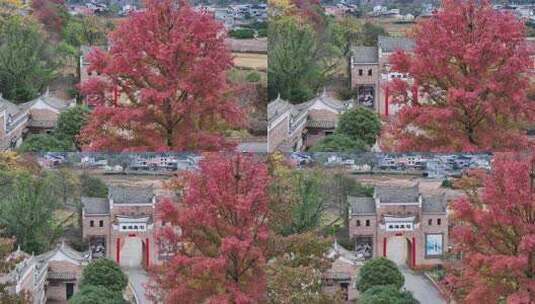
x=251, y=61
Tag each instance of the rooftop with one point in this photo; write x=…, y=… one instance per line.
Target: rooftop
x=276, y=108
x=131, y=195
x=397, y=194
x=365, y=54
x=362, y=205
x=435, y=204
x=392, y=44
x=95, y=205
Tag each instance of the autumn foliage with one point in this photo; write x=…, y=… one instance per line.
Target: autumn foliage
x=49, y=13
x=162, y=85
x=469, y=64
x=219, y=251
x=494, y=234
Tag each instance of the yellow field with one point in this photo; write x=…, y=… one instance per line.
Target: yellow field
x=250, y=61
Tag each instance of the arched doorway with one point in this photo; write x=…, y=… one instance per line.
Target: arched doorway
x=132, y=252
x=399, y=250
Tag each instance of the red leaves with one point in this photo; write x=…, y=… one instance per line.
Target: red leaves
x=168, y=64
x=469, y=61
x=49, y=12
x=495, y=233
x=223, y=225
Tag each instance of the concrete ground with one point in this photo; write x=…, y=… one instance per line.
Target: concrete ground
x=139, y=278
x=422, y=289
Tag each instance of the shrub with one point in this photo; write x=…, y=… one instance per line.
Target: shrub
x=379, y=272
x=360, y=124
x=96, y=294
x=447, y=184
x=105, y=273
x=339, y=143
x=253, y=77
x=243, y=33
x=386, y=295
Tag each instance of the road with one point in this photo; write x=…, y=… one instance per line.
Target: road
x=139, y=278
x=422, y=289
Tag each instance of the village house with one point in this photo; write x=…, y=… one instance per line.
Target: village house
x=52, y=277
x=121, y=226
x=36, y=116
x=402, y=224
x=370, y=71
x=297, y=127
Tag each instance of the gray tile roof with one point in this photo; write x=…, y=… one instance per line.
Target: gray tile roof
x=276, y=108
x=435, y=204
x=10, y=107
x=95, y=205
x=362, y=205
x=397, y=194
x=321, y=124
x=391, y=44
x=131, y=195
x=365, y=54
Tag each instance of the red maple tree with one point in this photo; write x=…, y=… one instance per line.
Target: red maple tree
x=162, y=85
x=50, y=13
x=469, y=64
x=219, y=249
x=494, y=235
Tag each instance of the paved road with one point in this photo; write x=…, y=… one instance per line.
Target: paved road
x=422, y=289
x=138, y=277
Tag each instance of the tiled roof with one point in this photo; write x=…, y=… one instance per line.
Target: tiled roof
x=131, y=195
x=51, y=101
x=95, y=205
x=434, y=204
x=66, y=250
x=10, y=107
x=391, y=44
x=365, y=54
x=276, y=108
x=397, y=194
x=67, y=276
x=362, y=205
x=321, y=124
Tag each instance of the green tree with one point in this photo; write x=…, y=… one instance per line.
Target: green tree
x=360, y=124
x=27, y=62
x=92, y=186
x=369, y=34
x=310, y=203
x=71, y=121
x=104, y=273
x=90, y=294
x=297, y=277
x=386, y=295
x=46, y=143
x=295, y=70
x=27, y=207
x=85, y=30
x=379, y=272
x=346, y=32
x=339, y=143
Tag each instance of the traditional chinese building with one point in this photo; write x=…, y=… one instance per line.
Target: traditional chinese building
x=36, y=116
x=297, y=127
x=52, y=277
x=370, y=71
x=121, y=226
x=401, y=224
